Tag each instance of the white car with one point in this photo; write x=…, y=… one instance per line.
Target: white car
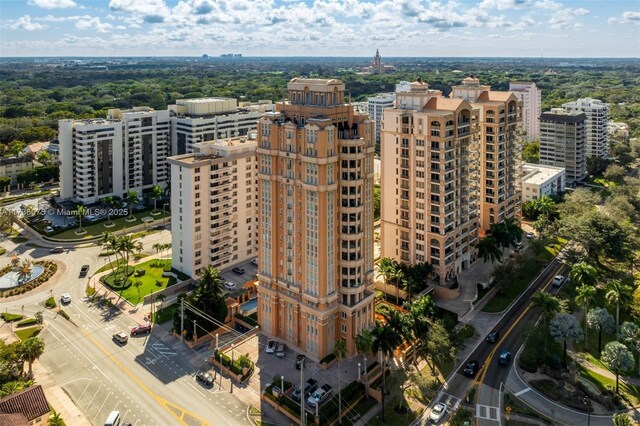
x=229, y=285
x=558, y=280
x=437, y=412
x=65, y=298
x=254, y=261
x=271, y=346
x=48, y=229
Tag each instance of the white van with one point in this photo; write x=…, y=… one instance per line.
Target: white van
x=113, y=419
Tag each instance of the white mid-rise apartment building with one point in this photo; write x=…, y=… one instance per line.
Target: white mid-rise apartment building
x=531, y=99
x=563, y=142
x=214, y=205
x=109, y=157
x=597, y=117
x=541, y=180
x=208, y=119
x=375, y=107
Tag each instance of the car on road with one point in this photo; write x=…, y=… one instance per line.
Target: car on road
x=281, y=350
x=141, y=329
x=229, y=286
x=57, y=250
x=320, y=395
x=530, y=235
x=493, y=336
x=505, y=357
x=238, y=270
x=121, y=337
x=518, y=246
x=48, y=229
x=558, y=280
x=309, y=386
x=471, y=369
x=254, y=261
x=271, y=346
x=300, y=361
x=205, y=378
x=65, y=298
x=437, y=412
x=84, y=270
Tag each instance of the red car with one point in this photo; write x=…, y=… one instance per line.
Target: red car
x=141, y=329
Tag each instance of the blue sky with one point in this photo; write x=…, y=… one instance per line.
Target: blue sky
x=529, y=28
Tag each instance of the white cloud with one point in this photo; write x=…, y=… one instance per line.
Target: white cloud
x=25, y=23
x=563, y=18
x=50, y=18
x=53, y=4
x=151, y=11
x=548, y=4
x=502, y=4
x=627, y=17
x=93, y=23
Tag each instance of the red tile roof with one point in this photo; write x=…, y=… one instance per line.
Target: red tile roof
x=16, y=419
x=31, y=402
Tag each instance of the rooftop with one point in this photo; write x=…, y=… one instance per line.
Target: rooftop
x=203, y=100
x=14, y=160
x=567, y=118
x=535, y=174
x=31, y=402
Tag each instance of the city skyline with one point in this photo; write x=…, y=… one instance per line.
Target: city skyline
x=466, y=28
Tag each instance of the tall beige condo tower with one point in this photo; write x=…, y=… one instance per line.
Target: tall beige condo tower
x=315, y=212
x=500, y=150
x=429, y=205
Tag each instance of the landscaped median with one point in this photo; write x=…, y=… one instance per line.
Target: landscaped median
x=241, y=368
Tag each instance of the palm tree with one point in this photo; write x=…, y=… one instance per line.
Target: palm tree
x=160, y=298
x=617, y=292
x=364, y=342
x=155, y=195
x=583, y=274
x=138, y=246
x=137, y=284
x=24, y=271
x=210, y=281
x=393, y=273
x=489, y=249
x=630, y=333
x=385, y=341
x=133, y=199
x=546, y=207
x=601, y=320
x=617, y=357
x=108, y=245
x=81, y=211
x=340, y=350
x=512, y=230
x=30, y=350
x=55, y=419
x=565, y=328
x=585, y=294
x=548, y=305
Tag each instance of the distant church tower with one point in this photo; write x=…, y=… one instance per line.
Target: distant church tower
x=378, y=68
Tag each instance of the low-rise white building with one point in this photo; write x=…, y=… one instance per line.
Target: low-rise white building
x=11, y=166
x=214, y=205
x=541, y=180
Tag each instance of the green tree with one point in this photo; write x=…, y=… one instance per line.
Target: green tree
x=531, y=152
x=618, y=358
x=132, y=200
x=55, y=419
x=622, y=419
x=634, y=306
x=340, y=350
x=601, y=320
x=364, y=342
x=615, y=173
x=385, y=342
x=436, y=347
x=599, y=234
x=110, y=202
x=489, y=249
x=155, y=195
x=31, y=349
x=585, y=295
x=43, y=157
x=81, y=211
x=137, y=284
x=565, y=328
x=5, y=182
x=630, y=334
x=376, y=201
x=583, y=274
x=548, y=305
x=617, y=293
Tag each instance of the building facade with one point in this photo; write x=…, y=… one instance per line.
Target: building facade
x=109, y=157
x=315, y=186
x=376, y=106
x=597, y=118
x=531, y=99
x=11, y=166
x=429, y=201
x=563, y=142
x=209, y=119
x=500, y=167
x=214, y=205
x=541, y=180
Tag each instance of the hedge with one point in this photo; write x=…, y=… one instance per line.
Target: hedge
x=327, y=359
x=248, y=320
x=328, y=411
x=26, y=322
x=50, y=268
x=11, y=317
x=50, y=302
x=238, y=363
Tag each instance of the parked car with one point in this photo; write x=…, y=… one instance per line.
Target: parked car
x=320, y=395
x=471, y=369
x=281, y=350
x=493, y=336
x=505, y=357
x=121, y=337
x=229, y=286
x=238, y=270
x=300, y=361
x=141, y=329
x=558, y=280
x=84, y=270
x=518, y=245
x=309, y=386
x=205, y=378
x=271, y=346
x=254, y=261
x=437, y=412
x=65, y=298
x=48, y=229
x=530, y=235
x=57, y=250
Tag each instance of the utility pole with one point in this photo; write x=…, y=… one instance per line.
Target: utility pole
x=302, y=395
x=181, y=319
x=194, y=331
x=230, y=369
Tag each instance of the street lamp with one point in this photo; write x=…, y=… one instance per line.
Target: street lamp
x=585, y=401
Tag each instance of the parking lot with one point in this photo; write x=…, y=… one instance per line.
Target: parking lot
x=250, y=271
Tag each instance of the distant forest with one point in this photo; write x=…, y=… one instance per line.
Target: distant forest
x=35, y=94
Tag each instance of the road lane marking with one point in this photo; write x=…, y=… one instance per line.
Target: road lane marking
x=522, y=391
x=94, y=395
x=100, y=409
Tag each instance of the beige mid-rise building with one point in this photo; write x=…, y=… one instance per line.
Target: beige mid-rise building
x=315, y=189
x=500, y=150
x=214, y=205
x=429, y=204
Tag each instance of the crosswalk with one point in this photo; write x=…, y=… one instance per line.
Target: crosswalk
x=161, y=349
x=487, y=412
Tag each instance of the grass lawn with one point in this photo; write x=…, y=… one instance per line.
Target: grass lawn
x=165, y=314
x=518, y=408
x=96, y=229
x=151, y=281
x=631, y=392
x=25, y=333
x=393, y=418
x=531, y=267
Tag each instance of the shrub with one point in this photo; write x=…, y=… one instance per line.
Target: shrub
x=50, y=303
x=244, y=361
x=327, y=359
x=11, y=317
x=159, y=283
x=140, y=272
x=248, y=320
x=26, y=322
x=64, y=315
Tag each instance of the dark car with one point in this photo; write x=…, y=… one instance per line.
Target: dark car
x=504, y=358
x=204, y=378
x=141, y=329
x=471, y=369
x=493, y=336
x=84, y=270
x=300, y=361
x=57, y=250
x=238, y=270
x=309, y=386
